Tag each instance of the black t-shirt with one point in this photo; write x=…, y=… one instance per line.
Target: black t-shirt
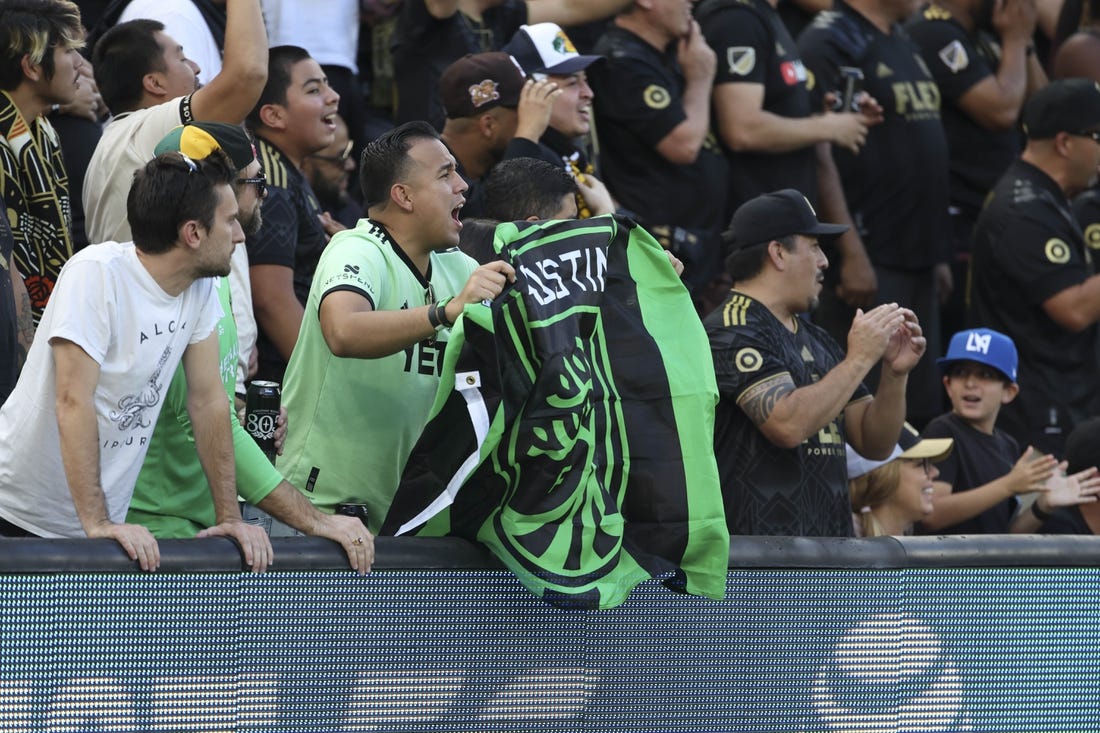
x=1067, y=520
x=958, y=61
x=638, y=101
x=897, y=186
x=975, y=460
x=9, y=328
x=423, y=47
x=754, y=47
x=1027, y=247
x=1086, y=210
x=770, y=490
x=291, y=236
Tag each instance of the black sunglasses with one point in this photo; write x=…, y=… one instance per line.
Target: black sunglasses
x=260, y=182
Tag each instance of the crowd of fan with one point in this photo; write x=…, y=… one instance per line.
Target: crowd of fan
x=953, y=287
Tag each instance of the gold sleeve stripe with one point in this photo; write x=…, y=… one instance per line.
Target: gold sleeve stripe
x=735, y=310
x=274, y=167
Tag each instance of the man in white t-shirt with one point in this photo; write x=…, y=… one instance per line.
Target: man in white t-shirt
x=123, y=316
x=151, y=86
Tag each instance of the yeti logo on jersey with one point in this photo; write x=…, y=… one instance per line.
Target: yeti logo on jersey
x=741, y=59
x=954, y=56
x=978, y=342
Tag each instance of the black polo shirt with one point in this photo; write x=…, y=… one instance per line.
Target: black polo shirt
x=769, y=490
x=754, y=47
x=897, y=186
x=638, y=101
x=1027, y=247
x=958, y=61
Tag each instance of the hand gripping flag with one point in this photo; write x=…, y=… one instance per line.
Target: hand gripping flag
x=573, y=430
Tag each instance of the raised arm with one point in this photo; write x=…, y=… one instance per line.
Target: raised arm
x=352, y=328
x=571, y=12
x=235, y=90
x=787, y=416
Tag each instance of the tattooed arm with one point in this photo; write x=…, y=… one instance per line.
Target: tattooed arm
x=787, y=415
x=23, y=318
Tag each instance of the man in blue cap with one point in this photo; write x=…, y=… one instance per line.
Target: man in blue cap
x=789, y=395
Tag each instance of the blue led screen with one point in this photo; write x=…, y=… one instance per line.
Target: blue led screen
x=863, y=649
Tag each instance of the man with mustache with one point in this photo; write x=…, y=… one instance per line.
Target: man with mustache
x=789, y=396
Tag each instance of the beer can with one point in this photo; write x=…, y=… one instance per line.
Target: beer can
x=261, y=414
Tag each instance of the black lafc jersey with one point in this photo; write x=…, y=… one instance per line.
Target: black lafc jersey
x=897, y=186
x=959, y=60
x=638, y=101
x=754, y=47
x=1028, y=247
x=770, y=490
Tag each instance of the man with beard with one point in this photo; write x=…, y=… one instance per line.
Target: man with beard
x=74, y=432
x=328, y=172
x=980, y=53
x=172, y=498
x=789, y=396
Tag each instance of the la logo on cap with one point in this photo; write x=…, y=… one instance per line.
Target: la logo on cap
x=978, y=342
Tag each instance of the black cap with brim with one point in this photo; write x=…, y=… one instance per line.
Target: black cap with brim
x=774, y=216
x=1064, y=105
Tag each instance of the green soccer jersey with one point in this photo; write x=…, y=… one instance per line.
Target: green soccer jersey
x=172, y=497
x=354, y=421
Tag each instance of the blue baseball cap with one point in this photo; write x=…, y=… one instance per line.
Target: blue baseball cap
x=985, y=346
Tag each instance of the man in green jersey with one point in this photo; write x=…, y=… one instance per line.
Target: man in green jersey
x=172, y=498
x=363, y=375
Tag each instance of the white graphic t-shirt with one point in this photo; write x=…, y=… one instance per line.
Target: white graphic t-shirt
x=108, y=304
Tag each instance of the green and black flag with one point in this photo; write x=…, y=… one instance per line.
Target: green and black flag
x=573, y=430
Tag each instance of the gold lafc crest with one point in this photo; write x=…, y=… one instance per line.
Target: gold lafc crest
x=483, y=92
